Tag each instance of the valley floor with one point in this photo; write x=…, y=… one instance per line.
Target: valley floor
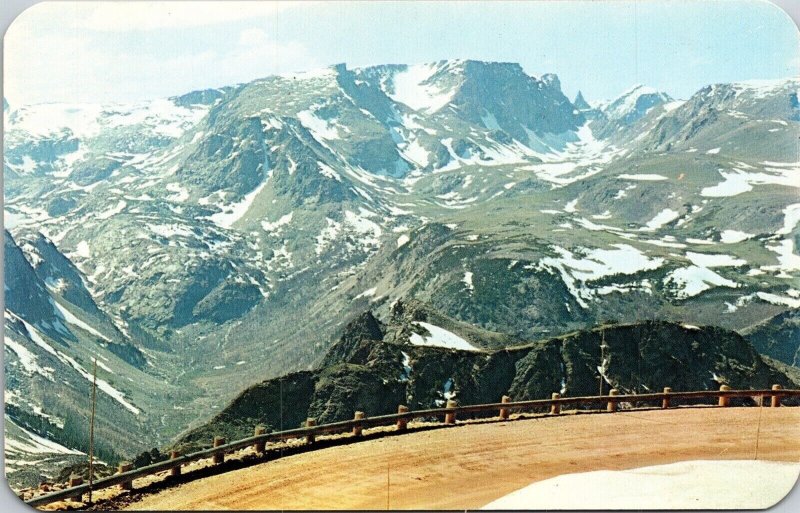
x=469, y=466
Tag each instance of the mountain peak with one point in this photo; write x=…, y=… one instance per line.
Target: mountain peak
x=552, y=80
x=634, y=103
x=580, y=102
x=639, y=89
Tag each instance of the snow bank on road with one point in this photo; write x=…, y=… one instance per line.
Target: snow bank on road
x=702, y=484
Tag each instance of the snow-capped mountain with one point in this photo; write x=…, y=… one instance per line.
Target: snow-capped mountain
x=207, y=241
x=634, y=104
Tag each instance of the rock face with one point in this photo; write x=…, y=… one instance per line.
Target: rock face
x=30, y=295
x=580, y=102
x=516, y=101
x=778, y=337
x=364, y=371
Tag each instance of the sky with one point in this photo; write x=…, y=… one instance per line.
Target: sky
x=105, y=52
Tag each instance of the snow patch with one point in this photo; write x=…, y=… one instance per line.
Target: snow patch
x=734, y=236
x=367, y=293
x=320, y=128
x=119, y=207
x=714, y=260
x=276, y=226
x=664, y=217
x=737, y=181
x=82, y=250
x=236, y=211
x=467, y=280
x=644, y=177
x=596, y=264
x=779, y=300
x=692, y=280
x=326, y=170
x=180, y=193
x=439, y=337
x=72, y=319
x=413, y=88
x=34, y=444
x=28, y=360
x=102, y=385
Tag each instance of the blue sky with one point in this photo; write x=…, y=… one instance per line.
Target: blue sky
x=119, y=52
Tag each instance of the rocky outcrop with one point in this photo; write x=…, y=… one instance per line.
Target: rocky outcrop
x=364, y=371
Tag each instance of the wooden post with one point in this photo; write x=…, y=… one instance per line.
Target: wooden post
x=504, y=412
x=175, y=471
x=358, y=430
x=125, y=467
x=450, y=418
x=259, y=447
x=76, y=480
x=776, y=399
x=310, y=438
x=218, y=457
x=665, y=403
x=402, y=424
x=612, y=403
x=91, y=430
x=723, y=399
x=555, y=408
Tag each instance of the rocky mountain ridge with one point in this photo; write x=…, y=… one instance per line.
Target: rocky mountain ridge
x=375, y=366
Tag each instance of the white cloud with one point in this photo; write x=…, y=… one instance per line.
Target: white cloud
x=149, y=15
x=253, y=37
x=83, y=67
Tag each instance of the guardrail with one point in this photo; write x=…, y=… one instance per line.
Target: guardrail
x=124, y=478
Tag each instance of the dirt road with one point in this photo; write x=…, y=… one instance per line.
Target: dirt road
x=466, y=467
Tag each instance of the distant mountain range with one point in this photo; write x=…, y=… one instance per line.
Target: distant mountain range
x=202, y=243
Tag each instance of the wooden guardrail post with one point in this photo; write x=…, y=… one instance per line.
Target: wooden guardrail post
x=76, y=480
x=776, y=399
x=261, y=446
x=665, y=403
x=612, y=403
x=310, y=438
x=175, y=471
x=358, y=429
x=504, y=412
x=218, y=457
x=555, y=408
x=450, y=418
x=402, y=424
x=723, y=399
x=125, y=466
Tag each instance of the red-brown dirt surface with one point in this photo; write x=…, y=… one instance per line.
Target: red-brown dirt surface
x=468, y=466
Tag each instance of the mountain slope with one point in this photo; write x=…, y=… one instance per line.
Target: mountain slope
x=52, y=336
x=778, y=337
